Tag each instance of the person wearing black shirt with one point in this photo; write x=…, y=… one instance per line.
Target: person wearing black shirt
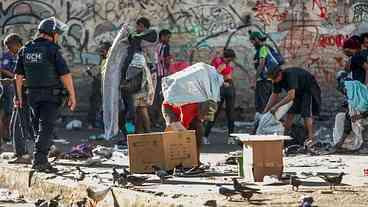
x=303, y=89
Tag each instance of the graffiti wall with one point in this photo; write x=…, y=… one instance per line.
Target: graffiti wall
x=309, y=33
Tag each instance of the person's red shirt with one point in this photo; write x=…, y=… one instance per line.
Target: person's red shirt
x=185, y=113
x=217, y=61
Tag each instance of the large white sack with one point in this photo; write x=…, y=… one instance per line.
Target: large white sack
x=197, y=83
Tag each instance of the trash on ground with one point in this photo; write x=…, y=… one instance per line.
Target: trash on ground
x=74, y=125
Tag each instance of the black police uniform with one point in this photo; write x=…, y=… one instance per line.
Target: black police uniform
x=41, y=63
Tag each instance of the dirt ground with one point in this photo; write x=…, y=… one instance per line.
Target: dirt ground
x=353, y=192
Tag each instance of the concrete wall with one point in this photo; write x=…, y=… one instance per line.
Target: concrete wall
x=309, y=33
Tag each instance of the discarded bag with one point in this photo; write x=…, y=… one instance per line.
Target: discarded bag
x=353, y=140
x=195, y=84
x=80, y=151
x=270, y=124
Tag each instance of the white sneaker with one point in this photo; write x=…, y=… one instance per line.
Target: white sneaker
x=205, y=140
x=230, y=140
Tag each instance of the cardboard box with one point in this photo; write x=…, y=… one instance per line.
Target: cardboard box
x=262, y=156
x=164, y=149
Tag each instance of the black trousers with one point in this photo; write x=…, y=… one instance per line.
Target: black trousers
x=227, y=97
x=95, y=101
x=45, y=104
x=262, y=94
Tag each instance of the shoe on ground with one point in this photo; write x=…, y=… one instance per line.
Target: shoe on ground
x=363, y=150
x=45, y=168
x=25, y=159
x=205, y=141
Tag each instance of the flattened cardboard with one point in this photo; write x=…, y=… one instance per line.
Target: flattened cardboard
x=164, y=149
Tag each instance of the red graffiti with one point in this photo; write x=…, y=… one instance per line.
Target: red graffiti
x=323, y=9
x=268, y=12
x=332, y=40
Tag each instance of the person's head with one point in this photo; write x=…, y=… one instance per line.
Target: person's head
x=104, y=49
x=275, y=74
x=228, y=55
x=257, y=38
x=51, y=28
x=13, y=42
x=364, y=40
x=164, y=36
x=351, y=47
x=142, y=24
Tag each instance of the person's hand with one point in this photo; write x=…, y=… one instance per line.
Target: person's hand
x=355, y=118
x=177, y=126
x=226, y=84
x=72, y=103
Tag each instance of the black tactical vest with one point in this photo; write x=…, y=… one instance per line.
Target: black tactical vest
x=39, y=65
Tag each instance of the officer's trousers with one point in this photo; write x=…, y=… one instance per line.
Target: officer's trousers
x=45, y=105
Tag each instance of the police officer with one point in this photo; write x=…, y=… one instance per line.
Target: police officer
x=46, y=73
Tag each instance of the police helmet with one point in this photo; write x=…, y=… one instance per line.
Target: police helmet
x=51, y=25
x=13, y=38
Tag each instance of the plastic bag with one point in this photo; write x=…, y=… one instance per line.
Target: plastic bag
x=197, y=83
x=270, y=124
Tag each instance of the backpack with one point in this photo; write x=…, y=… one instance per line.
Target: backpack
x=274, y=59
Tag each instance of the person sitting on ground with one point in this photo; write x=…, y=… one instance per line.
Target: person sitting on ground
x=222, y=64
x=303, y=89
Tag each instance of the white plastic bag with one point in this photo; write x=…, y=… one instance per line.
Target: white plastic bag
x=197, y=83
x=270, y=124
x=354, y=139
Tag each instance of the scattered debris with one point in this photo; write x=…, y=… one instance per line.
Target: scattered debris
x=272, y=180
x=105, y=152
x=7, y=155
x=74, y=125
x=210, y=203
x=176, y=196
x=7, y=196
